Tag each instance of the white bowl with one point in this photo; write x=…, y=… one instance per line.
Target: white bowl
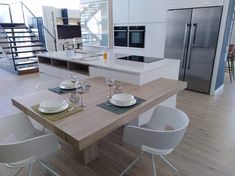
x=123, y=98
x=52, y=105
x=130, y=103
x=67, y=84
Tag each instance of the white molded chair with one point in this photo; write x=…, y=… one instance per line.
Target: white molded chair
x=47, y=84
x=159, y=136
x=21, y=145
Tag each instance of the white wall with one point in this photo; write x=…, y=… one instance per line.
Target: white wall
x=36, y=5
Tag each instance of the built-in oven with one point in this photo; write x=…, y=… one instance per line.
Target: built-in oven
x=121, y=36
x=136, y=36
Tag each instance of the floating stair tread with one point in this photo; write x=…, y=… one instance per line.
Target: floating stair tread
x=24, y=57
x=23, y=46
x=10, y=32
x=26, y=70
x=33, y=41
x=11, y=24
x=26, y=36
x=26, y=51
x=26, y=62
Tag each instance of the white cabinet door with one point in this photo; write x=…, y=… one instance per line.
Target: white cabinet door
x=147, y=11
x=155, y=39
x=120, y=11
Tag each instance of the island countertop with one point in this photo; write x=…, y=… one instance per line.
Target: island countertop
x=112, y=63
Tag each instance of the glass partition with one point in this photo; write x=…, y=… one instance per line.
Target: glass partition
x=95, y=23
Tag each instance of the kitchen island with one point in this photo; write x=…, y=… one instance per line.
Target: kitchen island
x=87, y=64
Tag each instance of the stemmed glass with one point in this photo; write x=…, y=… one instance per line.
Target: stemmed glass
x=73, y=78
x=74, y=96
x=110, y=82
x=83, y=88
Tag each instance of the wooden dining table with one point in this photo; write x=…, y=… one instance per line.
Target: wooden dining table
x=84, y=129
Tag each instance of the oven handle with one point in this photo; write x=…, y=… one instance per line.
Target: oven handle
x=120, y=30
x=136, y=30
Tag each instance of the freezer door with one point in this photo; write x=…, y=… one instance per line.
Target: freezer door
x=177, y=36
x=202, y=48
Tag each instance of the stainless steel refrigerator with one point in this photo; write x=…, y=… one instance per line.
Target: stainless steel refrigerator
x=191, y=37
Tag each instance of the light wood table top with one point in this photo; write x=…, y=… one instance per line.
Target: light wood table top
x=93, y=123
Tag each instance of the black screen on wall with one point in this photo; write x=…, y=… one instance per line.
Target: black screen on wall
x=70, y=31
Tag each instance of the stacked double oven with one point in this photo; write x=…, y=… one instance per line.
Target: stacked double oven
x=129, y=36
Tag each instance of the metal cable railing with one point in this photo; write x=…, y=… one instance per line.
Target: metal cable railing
x=25, y=19
x=39, y=23
x=10, y=43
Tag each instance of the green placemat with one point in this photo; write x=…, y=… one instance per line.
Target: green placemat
x=60, y=115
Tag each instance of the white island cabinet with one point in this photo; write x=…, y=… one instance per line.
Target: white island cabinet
x=60, y=64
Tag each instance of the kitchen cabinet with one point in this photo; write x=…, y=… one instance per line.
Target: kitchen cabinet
x=147, y=11
x=155, y=39
x=120, y=11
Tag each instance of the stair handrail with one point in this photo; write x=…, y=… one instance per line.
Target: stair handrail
x=10, y=41
x=38, y=22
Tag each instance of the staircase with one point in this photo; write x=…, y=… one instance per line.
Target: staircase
x=21, y=46
x=88, y=13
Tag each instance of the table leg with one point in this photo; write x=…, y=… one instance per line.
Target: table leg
x=88, y=154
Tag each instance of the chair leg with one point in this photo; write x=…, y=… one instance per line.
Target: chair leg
x=49, y=169
x=232, y=62
x=30, y=170
x=140, y=156
x=230, y=71
x=19, y=171
x=154, y=166
x=169, y=164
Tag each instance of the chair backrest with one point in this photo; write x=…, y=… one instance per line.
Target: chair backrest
x=165, y=129
x=47, y=84
x=16, y=144
x=36, y=148
x=15, y=127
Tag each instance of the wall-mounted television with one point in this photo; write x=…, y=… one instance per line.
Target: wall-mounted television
x=68, y=31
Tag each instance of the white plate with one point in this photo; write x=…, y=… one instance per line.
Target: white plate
x=67, y=84
x=123, y=105
x=52, y=104
x=123, y=98
x=62, y=108
x=66, y=88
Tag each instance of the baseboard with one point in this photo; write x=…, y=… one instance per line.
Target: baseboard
x=219, y=89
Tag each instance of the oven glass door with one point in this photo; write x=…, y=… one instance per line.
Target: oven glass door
x=120, y=38
x=136, y=39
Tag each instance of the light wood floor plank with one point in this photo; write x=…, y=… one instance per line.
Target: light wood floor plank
x=206, y=150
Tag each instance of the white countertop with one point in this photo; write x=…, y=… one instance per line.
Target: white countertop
x=112, y=63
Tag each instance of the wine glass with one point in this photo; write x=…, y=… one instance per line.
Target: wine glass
x=74, y=97
x=74, y=79
x=117, y=89
x=110, y=82
x=81, y=90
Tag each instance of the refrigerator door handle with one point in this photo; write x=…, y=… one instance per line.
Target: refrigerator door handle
x=187, y=25
x=192, y=42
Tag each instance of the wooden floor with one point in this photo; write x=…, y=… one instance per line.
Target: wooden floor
x=208, y=148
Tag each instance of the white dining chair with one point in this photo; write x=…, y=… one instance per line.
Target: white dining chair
x=159, y=136
x=47, y=84
x=21, y=145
